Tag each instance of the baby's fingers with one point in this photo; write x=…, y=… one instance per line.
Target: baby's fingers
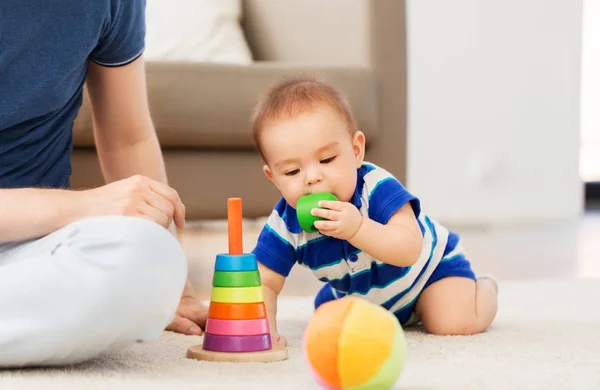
x=332, y=204
x=324, y=213
x=324, y=226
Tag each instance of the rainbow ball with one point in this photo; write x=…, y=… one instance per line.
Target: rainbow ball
x=351, y=343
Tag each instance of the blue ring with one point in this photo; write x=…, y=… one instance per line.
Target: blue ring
x=245, y=262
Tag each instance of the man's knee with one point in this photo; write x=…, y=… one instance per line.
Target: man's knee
x=108, y=282
x=145, y=269
x=131, y=244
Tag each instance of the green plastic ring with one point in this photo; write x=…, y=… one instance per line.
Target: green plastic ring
x=236, y=278
x=305, y=204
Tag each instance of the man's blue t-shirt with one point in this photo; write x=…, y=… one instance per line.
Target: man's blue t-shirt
x=44, y=51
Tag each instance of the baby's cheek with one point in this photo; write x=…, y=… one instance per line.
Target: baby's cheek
x=346, y=185
x=291, y=195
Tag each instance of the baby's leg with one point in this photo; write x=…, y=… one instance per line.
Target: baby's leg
x=94, y=285
x=458, y=306
x=326, y=294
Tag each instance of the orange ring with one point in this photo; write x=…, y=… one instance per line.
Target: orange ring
x=237, y=311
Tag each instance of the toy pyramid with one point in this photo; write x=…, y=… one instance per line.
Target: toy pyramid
x=237, y=329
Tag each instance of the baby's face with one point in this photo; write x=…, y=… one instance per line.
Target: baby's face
x=312, y=152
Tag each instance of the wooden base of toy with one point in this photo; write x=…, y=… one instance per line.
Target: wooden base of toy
x=274, y=354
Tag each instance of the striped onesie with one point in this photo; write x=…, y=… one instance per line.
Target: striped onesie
x=347, y=270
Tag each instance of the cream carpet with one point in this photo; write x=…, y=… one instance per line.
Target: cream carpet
x=546, y=336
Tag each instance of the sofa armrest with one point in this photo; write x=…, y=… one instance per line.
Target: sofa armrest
x=389, y=68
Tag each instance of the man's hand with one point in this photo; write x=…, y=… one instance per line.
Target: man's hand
x=135, y=196
x=342, y=219
x=190, y=318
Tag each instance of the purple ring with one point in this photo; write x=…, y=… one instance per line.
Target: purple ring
x=254, y=343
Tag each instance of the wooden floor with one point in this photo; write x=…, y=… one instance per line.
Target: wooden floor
x=551, y=250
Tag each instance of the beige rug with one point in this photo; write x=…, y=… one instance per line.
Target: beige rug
x=546, y=336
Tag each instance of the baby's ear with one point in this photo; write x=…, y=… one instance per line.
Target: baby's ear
x=269, y=174
x=358, y=146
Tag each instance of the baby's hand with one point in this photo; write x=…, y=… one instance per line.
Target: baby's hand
x=278, y=340
x=343, y=219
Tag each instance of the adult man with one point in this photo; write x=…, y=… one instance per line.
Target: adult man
x=83, y=271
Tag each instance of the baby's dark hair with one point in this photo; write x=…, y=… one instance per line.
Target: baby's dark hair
x=298, y=95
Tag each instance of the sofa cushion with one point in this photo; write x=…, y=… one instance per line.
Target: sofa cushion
x=311, y=31
x=196, y=30
x=197, y=105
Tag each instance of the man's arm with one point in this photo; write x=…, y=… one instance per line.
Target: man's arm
x=124, y=134
x=24, y=212
x=127, y=146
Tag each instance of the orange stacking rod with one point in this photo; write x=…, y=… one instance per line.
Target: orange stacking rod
x=234, y=221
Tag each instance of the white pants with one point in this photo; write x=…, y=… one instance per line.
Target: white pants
x=94, y=285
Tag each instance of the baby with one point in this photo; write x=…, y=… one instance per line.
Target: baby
x=375, y=241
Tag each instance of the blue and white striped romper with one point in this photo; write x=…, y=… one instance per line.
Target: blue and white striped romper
x=345, y=269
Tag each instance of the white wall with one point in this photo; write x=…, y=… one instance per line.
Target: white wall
x=589, y=166
x=494, y=109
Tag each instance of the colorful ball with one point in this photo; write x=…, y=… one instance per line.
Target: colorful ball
x=351, y=343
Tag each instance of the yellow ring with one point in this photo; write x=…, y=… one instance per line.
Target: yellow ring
x=237, y=294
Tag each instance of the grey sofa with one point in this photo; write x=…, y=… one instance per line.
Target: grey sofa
x=201, y=111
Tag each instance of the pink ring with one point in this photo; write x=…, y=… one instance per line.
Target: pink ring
x=237, y=327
